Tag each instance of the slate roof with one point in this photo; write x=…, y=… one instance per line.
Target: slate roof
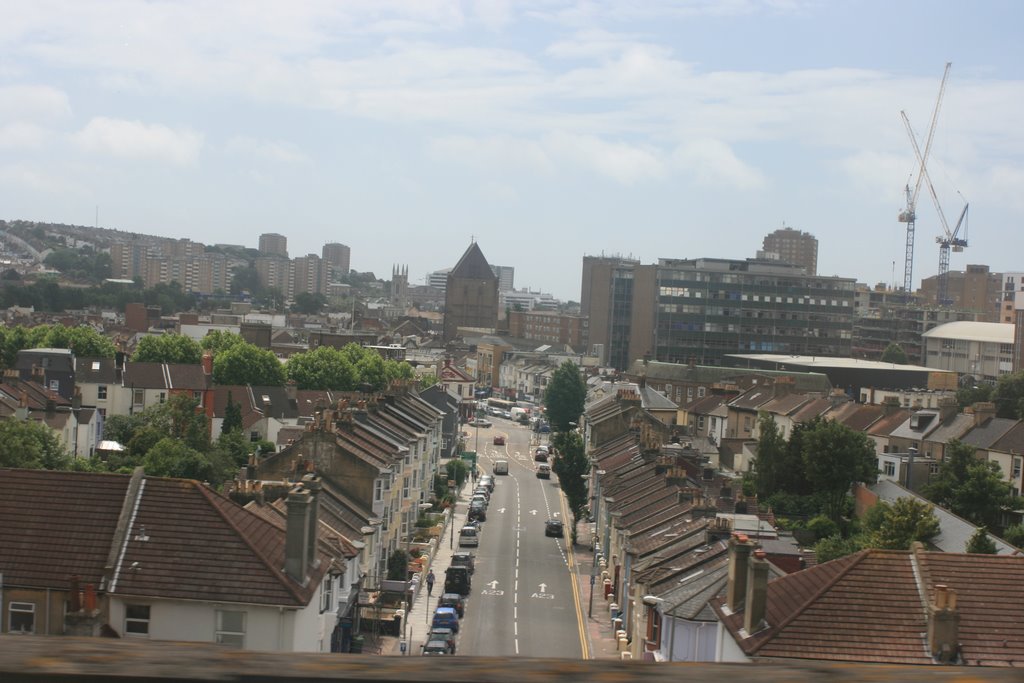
x=752, y=399
x=784, y=405
x=189, y=376
x=1012, y=441
x=95, y=371
x=884, y=425
x=953, y=428
x=812, y=409
x=983, y=436
x=954, y=531
x=856, y=416
x=870, y=607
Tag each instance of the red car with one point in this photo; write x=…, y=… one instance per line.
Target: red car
x=499, y=440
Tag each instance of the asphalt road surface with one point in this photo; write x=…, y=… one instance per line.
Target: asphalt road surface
x=524, y=599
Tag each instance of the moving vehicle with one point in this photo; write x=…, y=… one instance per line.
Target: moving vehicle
x=457, y=580
x=499, y=440
x=446, y=617
x=480, y=422
x=453, y=600
x=541, y=454
x=469, y=537
x=553, y=527
x=543, y=471
x=464, y=559
x=500, y=467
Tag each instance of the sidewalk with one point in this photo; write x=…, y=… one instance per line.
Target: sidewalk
x=599, y=625
x=423, y=606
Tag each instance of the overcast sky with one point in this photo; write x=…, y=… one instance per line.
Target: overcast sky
x=545, y=130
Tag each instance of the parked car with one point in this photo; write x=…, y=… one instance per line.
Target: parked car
x=480, y=422
x=488, y=481
x=457, y=580
x=464, y=559
x=469, y=536
x=453, y=600
x=482, y=490
x=436, y=647
x=543, y=471
x=553, y=527
x=499, y=440
x=446, y=617
x=445, y=634
x=478, y=498
x=478, y=513
x=540, y=455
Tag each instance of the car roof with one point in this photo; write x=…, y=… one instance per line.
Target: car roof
x=554, y=521
x=445, y=610
x=441, y=631
x=451, y=595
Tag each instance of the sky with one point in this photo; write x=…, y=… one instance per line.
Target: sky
x=544, y=130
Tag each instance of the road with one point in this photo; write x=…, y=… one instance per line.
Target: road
x=524, y=597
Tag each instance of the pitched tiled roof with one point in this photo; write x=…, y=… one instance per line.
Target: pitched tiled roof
x=57, y=524
x=989, y=433
x=856, y=416
x=870, y=607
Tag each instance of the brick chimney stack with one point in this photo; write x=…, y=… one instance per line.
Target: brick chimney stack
x=296, y=551
x=757, y=594
x=944, y=625
x=740, y=548
x=983, y=412
x=207, y=363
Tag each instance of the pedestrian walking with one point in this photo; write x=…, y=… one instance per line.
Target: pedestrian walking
x=430, y=582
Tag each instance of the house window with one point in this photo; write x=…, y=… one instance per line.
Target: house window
x=327, y=594
x=889, y=467
x=54, y=385
x=653, y=625
x=138, y=397
x=101, y=392
x=198, y=396
x=746, y=423
x=22, y=617
x=700, y=422
x=378, y=490
x=136, y=620
x=254, y=436
x=230, y=628
x=405, y=488
x=700, y=392
x=163, y=396
x=1016, y=468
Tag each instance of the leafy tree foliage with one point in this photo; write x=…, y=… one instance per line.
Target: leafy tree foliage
x=171, y=458
x=571, y=465
x=84, y=264
x=85, y=342
x=971, y=488
x=968, y=396
x=31, y=445
x=167, y=348
x=895, y=526
x=835, y=457
x=771, y=455
x=1009, y=396
x=309, y=304
x=322, y=368
x=980, y=543
x=427, y=381
x=232, y=417
x=216, y=341
x=45, y=294
x=894, y=353
x=247, y=364
x=565, y=396
x=833, y=547
x=457, y=470
x=1014, y=535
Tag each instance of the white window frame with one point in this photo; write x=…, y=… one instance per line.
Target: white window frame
x=137, y=620
x=327, y=594
x=101, y=392
x=20, y=608
x=224, y=636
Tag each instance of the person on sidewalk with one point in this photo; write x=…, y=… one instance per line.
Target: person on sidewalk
x=430, y=582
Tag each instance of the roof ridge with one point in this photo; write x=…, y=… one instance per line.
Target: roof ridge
x=284, y=580
x=857, y=559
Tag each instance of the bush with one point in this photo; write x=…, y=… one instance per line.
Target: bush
x=1014, y=535
x=822, y=527
x=836, y=546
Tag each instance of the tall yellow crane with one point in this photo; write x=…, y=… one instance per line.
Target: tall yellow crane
x=909, y=214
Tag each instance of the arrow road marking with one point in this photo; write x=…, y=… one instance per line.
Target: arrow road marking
x=501, y=510
x=543, y=588
x=493, y=584
x=533, y=512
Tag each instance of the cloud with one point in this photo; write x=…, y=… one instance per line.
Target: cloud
x=33, y=103
x=494, y=153
x=713, y=163
x=137, y=140
x=22, y=135
x=277, y=151
x=622, y=162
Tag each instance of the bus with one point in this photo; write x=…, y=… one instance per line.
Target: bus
x=501, y=405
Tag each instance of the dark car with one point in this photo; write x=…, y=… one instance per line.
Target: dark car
x=553, y=527
x=477, y=512
x=437, y=647
x=453, y=600
x=445, y=634
x=499, y=440
x=462, y=559
x=457, y=580
x=446, y=617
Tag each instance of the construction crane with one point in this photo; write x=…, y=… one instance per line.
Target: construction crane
x=909, y=214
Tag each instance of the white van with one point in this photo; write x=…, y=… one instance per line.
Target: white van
x=500, y=467
x=469, y=536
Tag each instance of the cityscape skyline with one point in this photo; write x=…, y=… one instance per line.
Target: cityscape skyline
x=545, y=131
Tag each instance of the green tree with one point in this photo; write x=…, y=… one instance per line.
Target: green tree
x=833, y=547
x=969, y=487
x=565, y=396
x=323, y=368
x=31, y=445
x=1014, y=535
x=571, y=465
x=398, y=565
x=968, y=396
x=247, y=364
x=771, y=454
x=232, y=417
x=167, y=348
x=1009, y=396
x=894, y=353
x=309, y=304
x=457, y=470
x=980, y=543
x=171, y=458
x=427, y=381
x=835, y=457
x=216, y=341
x=895, y=526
